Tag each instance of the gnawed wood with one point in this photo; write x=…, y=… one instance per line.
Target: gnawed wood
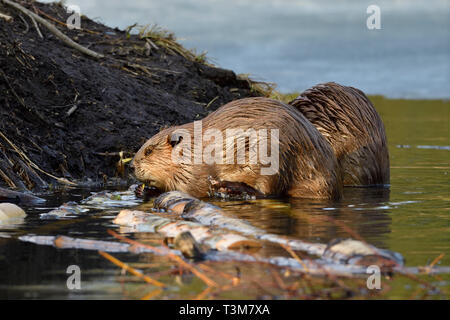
x=346, y=251
x=139, y=221
x=208, y=223
x=316, y=267
x=218, y=233
x=64, y=242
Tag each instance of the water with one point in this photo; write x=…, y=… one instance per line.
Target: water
x=412, y=217
x=299, y=43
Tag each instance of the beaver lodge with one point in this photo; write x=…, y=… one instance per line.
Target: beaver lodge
x=67, y=116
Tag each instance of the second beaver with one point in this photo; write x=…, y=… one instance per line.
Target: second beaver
x=348, y=120
x=305, y=165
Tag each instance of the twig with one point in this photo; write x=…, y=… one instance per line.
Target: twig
x=72, y=110
x=295, y=256
x=152, y=43
x=54, y=30
x=32, y=164
x=436, y=260
x=152, y=294
x=206, y=268
x=429, y=268
x=36, y=26
x=37, y=180
x=5, y=17
x=211, y=102
x=64, y=24
x=204, y=293
x=171, y=256
x=7, y=180
x=27, y=27
x=131, y=270
x=9, y=175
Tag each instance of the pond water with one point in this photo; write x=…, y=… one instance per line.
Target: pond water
x=412, y=217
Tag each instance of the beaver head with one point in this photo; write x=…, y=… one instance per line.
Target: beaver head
x=153, y=163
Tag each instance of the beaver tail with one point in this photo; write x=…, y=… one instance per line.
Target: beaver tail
x=350, y=123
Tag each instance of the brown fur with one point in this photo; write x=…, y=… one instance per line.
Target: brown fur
x=307, y=165
x=352, y=126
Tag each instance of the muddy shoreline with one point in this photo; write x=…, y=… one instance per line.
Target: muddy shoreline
x=66, y=115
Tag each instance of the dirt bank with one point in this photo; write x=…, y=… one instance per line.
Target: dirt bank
x=66, y=112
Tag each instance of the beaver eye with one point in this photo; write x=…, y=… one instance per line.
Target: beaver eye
x=148, y=151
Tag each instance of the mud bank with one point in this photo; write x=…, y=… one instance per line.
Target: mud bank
x=67, y=115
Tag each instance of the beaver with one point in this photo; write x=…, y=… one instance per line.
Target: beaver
x=306, y=166
x=348, y=120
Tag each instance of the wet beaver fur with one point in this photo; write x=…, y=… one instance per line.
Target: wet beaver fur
x=350, y=123
x=308, y=167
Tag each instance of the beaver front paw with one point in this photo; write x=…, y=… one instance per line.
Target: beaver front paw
x=232, y=190
x=146, y=192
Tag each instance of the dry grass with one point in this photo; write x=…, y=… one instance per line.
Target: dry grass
x=265, y=89
x=163, y=38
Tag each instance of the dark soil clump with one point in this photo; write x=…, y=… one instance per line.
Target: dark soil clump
x=71, y=115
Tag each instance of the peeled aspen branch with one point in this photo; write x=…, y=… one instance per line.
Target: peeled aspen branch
x=140, y=221
x=346, y=251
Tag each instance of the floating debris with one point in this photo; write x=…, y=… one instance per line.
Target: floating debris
x=107, y=200
x=407, y=146
x=67, y=210
x=10, y=212
x=98, y=201
x=434, y=147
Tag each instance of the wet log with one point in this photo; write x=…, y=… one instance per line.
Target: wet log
x=18, y=197
x=139, y=221
x=345, y=251
x=64, y=242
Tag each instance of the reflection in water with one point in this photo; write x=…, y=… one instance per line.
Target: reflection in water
x=363, y=211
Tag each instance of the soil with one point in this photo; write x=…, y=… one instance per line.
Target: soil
x=71, y=114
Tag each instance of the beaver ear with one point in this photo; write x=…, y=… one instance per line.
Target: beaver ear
x=174, y=139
